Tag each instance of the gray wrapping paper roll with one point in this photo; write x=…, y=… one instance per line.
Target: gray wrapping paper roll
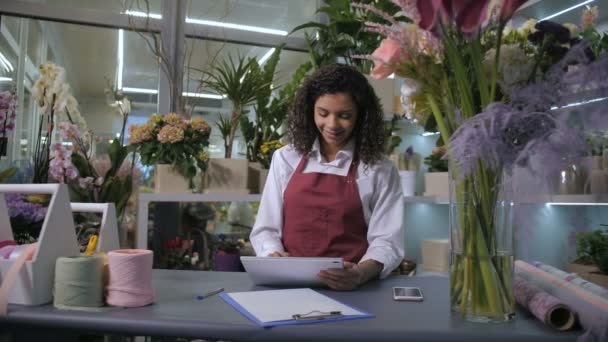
x=547, y=308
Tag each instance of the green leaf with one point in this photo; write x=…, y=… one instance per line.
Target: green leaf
x=7, y=174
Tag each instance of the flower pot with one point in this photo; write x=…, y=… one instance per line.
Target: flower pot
x=257, y=178
x=481, y=236
x=598, y=181
x=227, y=262
x=408, y=182
x=167, y=180
x=436, y=184
x=227, y=176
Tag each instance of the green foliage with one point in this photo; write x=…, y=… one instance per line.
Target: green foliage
x=597, y=40
x=106, y=188
x=392, y=140
x=241, y=81
x=344, y=35
x=593, y=247
x=270, y=114
x=7, y=174
x=435, y=161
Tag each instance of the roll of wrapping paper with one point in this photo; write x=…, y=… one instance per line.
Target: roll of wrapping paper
x=547, y=308
x=589, y=297
x=573, y=278
x=591, y=309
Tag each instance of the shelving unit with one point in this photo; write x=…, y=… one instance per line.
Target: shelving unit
x=145, y=199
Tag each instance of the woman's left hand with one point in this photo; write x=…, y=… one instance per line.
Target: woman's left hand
x=348, y=278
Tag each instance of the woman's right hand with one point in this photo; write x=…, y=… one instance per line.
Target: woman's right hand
x=278, y=254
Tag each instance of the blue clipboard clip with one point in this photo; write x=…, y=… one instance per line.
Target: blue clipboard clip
x=317, y=315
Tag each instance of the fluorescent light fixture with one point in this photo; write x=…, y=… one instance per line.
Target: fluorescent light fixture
x=154, y=91
x=139, y=90
x=428, y=134
x=236, y=26
x=567, y=10
x=121, y=52
x=6, y=63
x=5, y=79
x=391, y=75
x=576, y=203
x=266, y=56
x=143, y=14
x=206, y=96
x=581, y=103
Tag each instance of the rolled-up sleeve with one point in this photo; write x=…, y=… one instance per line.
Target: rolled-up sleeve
x=385, y=233
x=266, y=233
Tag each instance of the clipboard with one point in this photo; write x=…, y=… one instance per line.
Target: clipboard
x=291, y=307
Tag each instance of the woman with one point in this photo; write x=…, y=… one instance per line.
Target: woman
x=332, y=192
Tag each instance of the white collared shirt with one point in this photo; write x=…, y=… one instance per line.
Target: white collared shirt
x=381, y=197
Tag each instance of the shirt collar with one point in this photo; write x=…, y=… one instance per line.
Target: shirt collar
x=346, y=152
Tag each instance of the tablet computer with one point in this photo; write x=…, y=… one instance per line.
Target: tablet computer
x=288, y=271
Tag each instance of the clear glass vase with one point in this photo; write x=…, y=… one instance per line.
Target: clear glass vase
x=481, y=238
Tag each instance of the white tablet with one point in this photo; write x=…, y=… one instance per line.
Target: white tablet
x=288, y=271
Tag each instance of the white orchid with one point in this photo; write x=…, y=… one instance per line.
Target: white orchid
x=51, y=89
x=409, y=88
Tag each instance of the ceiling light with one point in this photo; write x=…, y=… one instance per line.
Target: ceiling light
x=139, y=90
x=580, y=103
x=236, y=26
x=203, y=95
x=576, y=203
x=5, y=79
x=7, y=65
x=143, y=14
x=119, y=68
x=266, y=56
x=428, y=134
x=567, y=10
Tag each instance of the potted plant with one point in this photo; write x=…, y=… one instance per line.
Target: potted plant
x=265, y=157
x=436, y=178
x=240, y=80
x=408, y=164
x=227, y=256
x=175, y=145
x=592, y=261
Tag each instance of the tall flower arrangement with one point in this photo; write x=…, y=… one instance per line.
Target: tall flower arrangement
x=489, y=90
x=459, y=60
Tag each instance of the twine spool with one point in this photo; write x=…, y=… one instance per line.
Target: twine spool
x=5, y=243
x=78, y=282
x=130, y=278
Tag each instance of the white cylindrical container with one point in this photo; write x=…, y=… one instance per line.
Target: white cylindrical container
x=408, y=182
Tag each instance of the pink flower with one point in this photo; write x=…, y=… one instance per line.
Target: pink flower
x=385, y=57
x=429, y=11
x=589, y=17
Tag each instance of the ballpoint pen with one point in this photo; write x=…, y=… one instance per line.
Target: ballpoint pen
x=210, y=293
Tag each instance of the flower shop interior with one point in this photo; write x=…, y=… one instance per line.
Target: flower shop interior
x=151, y=124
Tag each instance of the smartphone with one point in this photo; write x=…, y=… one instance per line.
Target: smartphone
x=407, y=293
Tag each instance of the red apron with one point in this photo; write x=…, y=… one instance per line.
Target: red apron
x=323, y=215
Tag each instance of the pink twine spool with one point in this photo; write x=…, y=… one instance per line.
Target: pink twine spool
x=130, y=283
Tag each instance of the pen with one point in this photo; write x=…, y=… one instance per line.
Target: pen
x=210, y=293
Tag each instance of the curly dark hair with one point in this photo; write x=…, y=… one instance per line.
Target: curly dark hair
x=332, y=79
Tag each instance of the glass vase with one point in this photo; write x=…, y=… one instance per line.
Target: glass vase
x=481, y=241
